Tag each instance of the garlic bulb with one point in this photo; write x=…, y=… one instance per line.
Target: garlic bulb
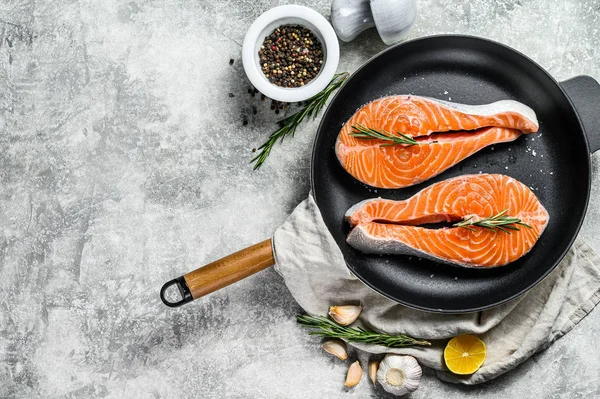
x=354, y=375
x=336, y=348
x=373, y=367
x=344, y=315
x=399, y=375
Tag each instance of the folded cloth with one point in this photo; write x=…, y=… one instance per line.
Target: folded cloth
x=314, y=270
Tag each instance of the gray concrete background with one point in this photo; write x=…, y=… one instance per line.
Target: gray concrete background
x=124, y=163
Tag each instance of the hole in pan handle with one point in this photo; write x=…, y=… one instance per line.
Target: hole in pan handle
x=169, y=298
x=218, y=274
x=584, y=92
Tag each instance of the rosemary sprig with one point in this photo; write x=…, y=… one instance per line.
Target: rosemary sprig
x=499, y=221
x=327, y=328
x=363, y=132
x=289, y=124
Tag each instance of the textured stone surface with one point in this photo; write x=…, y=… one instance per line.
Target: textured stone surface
x=124, y=163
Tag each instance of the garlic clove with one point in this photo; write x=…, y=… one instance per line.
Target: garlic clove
x=373, y=367
x=354, y=375
x=336, y=347
x=344, y=315
x=399, y=375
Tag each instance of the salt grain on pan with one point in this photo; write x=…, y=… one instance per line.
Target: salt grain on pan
x=506, y=167
x=533, y=152
x=431, y=276
x=445, y=91
x=551, y=173
x=449, y=98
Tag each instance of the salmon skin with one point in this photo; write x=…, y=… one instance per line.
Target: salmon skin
x=446, y=134
x=383, y=226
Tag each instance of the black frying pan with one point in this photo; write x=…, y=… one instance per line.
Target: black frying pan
x=472, y=71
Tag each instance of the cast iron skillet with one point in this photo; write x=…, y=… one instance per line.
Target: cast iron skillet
x=555, y=163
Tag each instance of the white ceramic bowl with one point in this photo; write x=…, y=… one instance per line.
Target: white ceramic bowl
x=264, y=25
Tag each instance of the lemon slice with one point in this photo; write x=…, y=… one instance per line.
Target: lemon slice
x=464, y=354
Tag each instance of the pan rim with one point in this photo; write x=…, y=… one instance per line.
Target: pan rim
x=571, y=240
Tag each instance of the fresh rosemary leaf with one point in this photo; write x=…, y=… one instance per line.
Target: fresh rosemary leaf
x=497, y=222
x=363, y=132
x=324, y=327
x=289, y=124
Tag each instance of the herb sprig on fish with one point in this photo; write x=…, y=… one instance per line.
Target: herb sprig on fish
x=363, y=132
x=499, y=222
x=289, y=124
x=326, y=328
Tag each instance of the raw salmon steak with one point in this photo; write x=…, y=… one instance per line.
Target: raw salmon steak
x=392, y=227
x=446, y=134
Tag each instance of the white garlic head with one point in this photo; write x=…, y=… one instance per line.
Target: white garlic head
x=399, y=375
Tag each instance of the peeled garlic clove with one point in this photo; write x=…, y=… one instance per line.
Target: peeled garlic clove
x=354, y=375
x=399, y=375
x=344, y=315
x=336, y=348
x=373, y=367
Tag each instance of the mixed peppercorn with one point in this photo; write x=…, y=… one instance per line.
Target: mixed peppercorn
x=291, y=56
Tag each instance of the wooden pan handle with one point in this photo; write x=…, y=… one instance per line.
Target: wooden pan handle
x=221, y=273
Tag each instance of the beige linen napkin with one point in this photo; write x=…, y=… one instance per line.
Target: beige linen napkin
x=315, y=272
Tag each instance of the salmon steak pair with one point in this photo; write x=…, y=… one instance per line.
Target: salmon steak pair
x=489, y=220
